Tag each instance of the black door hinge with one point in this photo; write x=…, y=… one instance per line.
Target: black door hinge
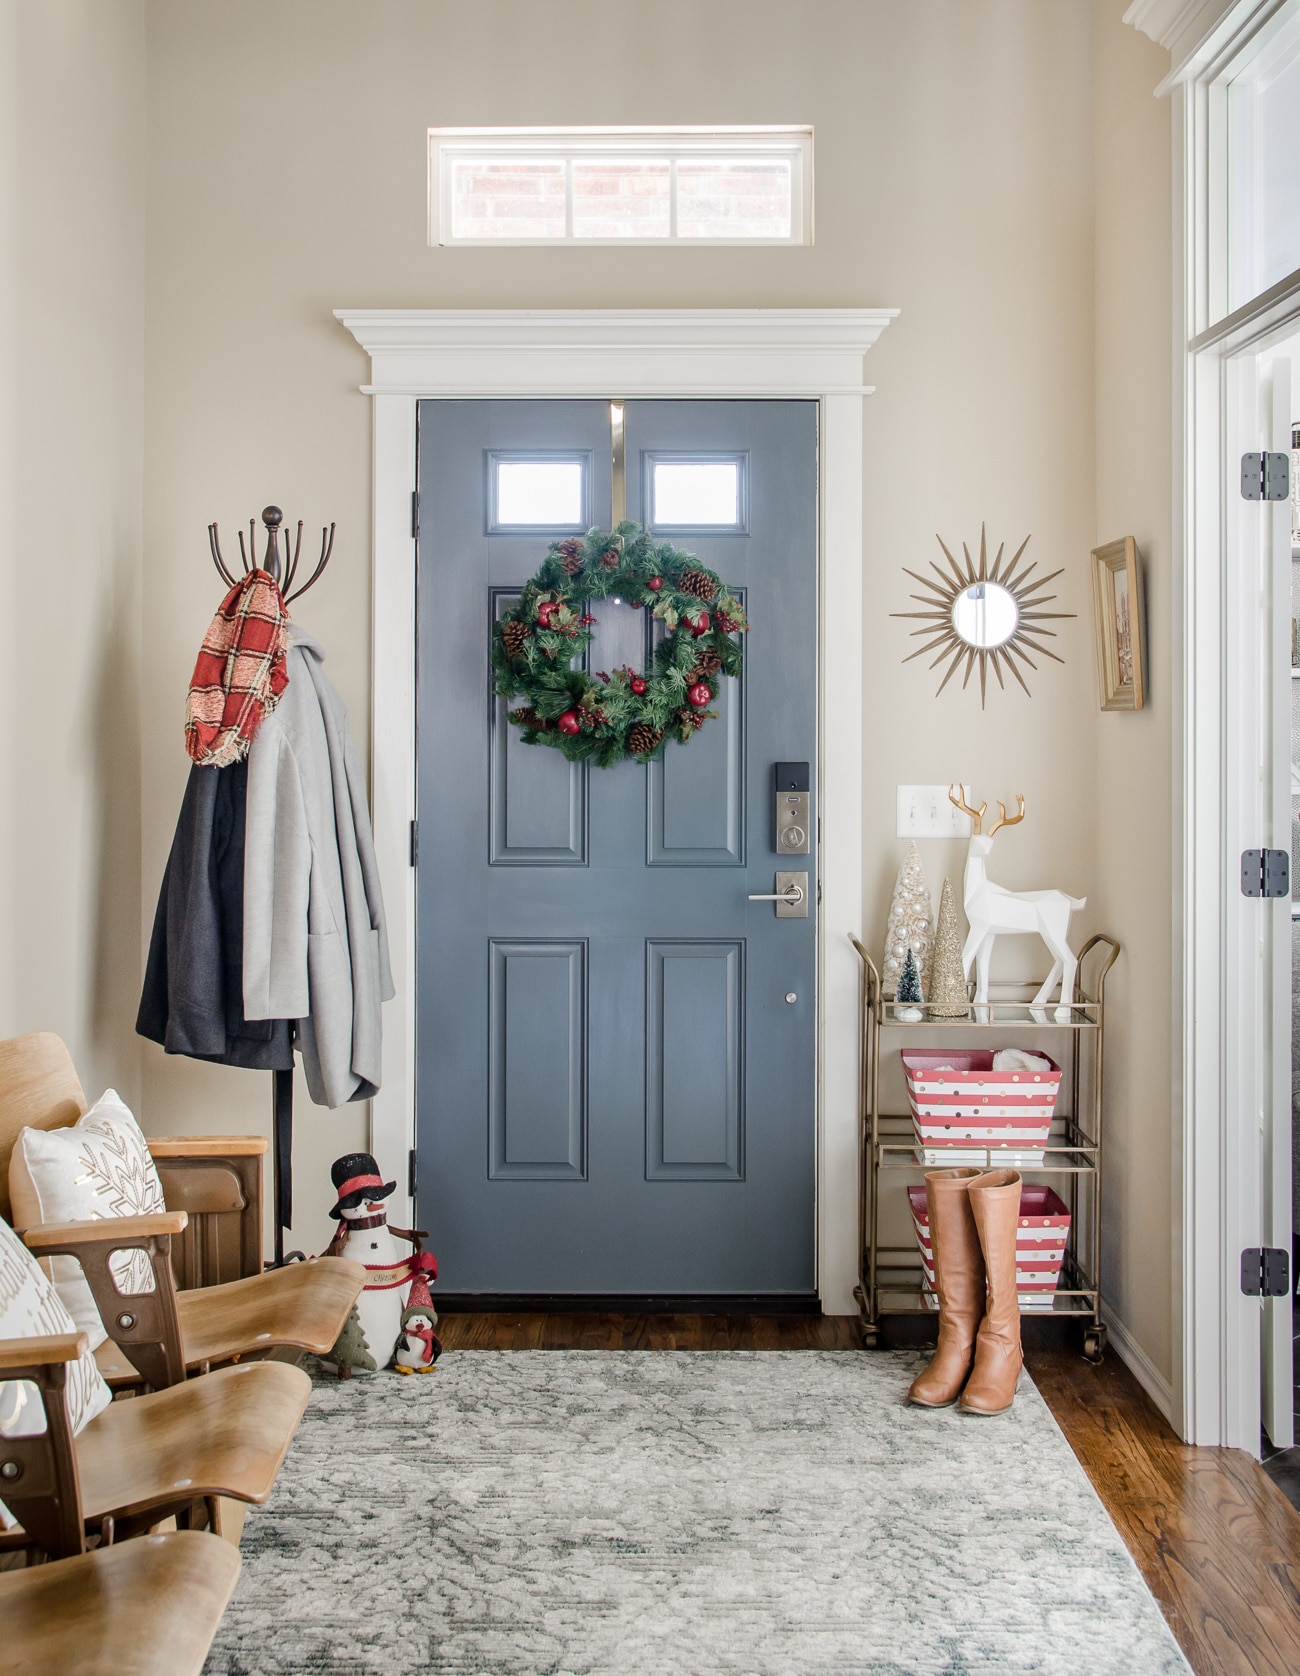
x=1266, y=1272
x=410, y=1172
x=415, y=843
x=1265, y=477
x=1265, y=873
x=415, y=513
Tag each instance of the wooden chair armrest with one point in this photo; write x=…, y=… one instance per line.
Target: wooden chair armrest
x=21, y=1353
x=144, y=1325
x=38, y=1471
x=208, y=1146
x=126, y=1231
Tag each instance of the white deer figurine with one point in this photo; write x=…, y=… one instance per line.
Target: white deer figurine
x=994, y=911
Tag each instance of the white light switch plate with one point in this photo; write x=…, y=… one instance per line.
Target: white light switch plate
x=926, y=812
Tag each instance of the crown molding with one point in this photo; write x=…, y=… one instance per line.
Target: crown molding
x=630, y=351
x=1198, y=34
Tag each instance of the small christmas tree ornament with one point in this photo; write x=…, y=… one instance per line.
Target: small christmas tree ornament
x=907, y=1006
x=350, y=1352
x=910, y=925
x=948, y=997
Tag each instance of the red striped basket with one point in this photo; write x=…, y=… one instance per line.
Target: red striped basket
x=965, y=1112
x=1041, y=1236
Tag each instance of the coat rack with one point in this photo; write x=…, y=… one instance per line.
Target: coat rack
x=283, y=575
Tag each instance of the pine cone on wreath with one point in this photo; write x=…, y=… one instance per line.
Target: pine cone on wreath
x=641, y=740
x=569, y=553
x=699, y=583
x=708, y=663
x=610, y=558
x=515, y=635
x=526, y=716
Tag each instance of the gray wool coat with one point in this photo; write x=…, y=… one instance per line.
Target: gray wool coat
x=315, y=944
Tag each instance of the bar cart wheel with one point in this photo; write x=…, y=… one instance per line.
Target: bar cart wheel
x=1094, y=1343
x=870, y=1338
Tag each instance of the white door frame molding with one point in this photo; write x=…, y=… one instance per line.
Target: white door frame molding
x=810, y=354
x=1223, y=1059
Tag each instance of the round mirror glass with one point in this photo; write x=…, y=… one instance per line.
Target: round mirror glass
x=985, y=615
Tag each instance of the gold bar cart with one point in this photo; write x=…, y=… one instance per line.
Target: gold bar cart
x=890, y=1276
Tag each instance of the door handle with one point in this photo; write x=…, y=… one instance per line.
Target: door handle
x=790, y=896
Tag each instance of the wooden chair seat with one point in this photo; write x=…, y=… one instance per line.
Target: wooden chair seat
x=300, y=1307
x=303, y=1306
x=223, y=1435
x=147, y=1608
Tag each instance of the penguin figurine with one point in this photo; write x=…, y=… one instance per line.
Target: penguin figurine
x=364, y=1236
x=419, y=1347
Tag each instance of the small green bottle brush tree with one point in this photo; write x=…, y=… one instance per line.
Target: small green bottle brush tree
x=625, y=713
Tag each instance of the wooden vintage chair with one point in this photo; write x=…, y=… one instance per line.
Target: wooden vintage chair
x=147, y=1608
x=144, y=1459
x=161, y=1336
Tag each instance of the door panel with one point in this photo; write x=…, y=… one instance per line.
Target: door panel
x=537, y=1030
x=537, y=802
x=695, y=1061
x=614, y=1094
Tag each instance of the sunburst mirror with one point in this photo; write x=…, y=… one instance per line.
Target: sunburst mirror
x=990, y=616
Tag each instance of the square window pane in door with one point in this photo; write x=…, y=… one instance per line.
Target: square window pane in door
x=694, y=494
x=537, y=494
x=620, y=198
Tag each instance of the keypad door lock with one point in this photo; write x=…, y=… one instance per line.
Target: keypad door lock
x=793, y=809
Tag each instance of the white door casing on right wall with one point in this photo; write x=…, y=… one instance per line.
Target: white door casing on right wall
x=1257, y=931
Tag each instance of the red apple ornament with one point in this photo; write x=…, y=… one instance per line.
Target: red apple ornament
x=637, y=685
x=568, y=722
x=702, y=626
x=654, y=583
x=545, y=612
x=699, y=695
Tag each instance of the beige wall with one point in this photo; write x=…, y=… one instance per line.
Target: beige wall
x=955, y=180
x=1134, y=816
x=72, y=140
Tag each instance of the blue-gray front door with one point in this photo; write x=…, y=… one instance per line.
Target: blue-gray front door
x=616, y=1061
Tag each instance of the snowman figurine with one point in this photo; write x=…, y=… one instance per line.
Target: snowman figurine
x=365, y=1237
x=419, y=1347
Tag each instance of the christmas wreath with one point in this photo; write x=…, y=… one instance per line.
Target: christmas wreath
x=622, y=713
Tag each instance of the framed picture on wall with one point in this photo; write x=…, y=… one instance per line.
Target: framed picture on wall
x=1117, y=601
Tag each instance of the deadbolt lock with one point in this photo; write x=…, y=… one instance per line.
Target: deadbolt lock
x=793, y=817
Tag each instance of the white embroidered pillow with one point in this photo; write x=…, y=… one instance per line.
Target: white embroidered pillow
x=29, y=1306
x=97, y=1168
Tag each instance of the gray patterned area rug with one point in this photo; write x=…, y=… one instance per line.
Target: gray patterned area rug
x=592, y=1513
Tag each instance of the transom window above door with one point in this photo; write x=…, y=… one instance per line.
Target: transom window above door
x=620, y=186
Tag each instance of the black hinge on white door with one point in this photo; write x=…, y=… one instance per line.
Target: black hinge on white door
x=415, y=513
x=415, y=843
x=411, y=1172
x=1265, y=1272
x=1265, y=477
x=1265, y=873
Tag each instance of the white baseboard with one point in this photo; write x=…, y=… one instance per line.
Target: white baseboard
x=1139, y=1364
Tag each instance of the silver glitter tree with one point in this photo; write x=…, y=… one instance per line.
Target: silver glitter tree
x=948, y=997
x=910, y=925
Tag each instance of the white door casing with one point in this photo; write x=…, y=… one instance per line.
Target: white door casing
x=792, y=353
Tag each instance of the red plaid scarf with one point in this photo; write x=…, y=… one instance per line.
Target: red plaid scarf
x=240, y=672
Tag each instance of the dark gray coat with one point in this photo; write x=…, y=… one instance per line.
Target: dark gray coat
x=192, y=1001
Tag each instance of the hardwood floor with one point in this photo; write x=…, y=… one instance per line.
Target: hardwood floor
x=1218, y=1543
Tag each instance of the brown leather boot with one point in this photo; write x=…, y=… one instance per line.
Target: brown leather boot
x=959, y=1283
x=995, y=1205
